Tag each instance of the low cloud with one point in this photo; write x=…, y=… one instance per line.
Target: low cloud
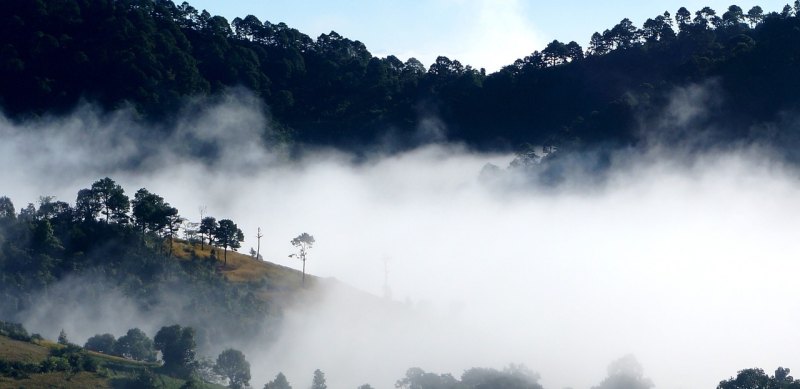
x=673, y=257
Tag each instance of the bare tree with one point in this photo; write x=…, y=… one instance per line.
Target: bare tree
x=259, y=235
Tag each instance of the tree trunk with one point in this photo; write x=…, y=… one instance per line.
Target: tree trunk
x=304, y=272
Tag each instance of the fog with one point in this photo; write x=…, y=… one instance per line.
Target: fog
x=687, y=261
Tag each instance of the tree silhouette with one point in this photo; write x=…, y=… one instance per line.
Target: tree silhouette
x=7, y=210
x=208, y=227
x=150, y=211
x=319, y=380
x=757, y=379
x=755, y=15
x=684, y=18
x=62, y=337
x=627, y=373
x=112, y=201
x=279, y=382
x=86, y=205
x=228, y=235
x=555, y=53
x=303, y=242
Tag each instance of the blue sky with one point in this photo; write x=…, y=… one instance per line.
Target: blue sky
x=481, y=33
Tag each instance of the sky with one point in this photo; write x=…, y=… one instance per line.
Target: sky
x=482, y=33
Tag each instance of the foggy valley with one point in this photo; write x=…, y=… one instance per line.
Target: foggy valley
x=188, y=202
x=675, y=258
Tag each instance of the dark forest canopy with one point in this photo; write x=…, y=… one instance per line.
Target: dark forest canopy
x=152, y=55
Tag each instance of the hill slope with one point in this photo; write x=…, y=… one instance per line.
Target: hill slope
x=63, y=268
x=22, y=366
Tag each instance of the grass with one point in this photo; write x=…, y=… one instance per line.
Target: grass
x=100, y=357
x=17, y=351
x=57, y=380
x=241, y=268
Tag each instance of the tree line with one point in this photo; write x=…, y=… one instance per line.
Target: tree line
x=332, y=90
x=179, y=358
x=105, y=201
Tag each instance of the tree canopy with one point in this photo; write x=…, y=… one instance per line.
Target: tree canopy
x=135, y=345
x=178, y=349
x=228, y=235
x=280, y=382
x=756, y=378
x=155, y=55
x=232, y=364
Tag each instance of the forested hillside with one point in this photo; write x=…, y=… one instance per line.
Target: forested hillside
x=332, y=90
x=110, y=258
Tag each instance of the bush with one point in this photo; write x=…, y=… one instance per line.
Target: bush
x=76, y=359
x=145, y=379
x=89, y=364
x=52, y=364
x=18, y=370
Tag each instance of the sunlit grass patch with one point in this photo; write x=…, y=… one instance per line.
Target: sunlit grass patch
x=242, y=267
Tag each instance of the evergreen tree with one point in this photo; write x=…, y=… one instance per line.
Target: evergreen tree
x=319, y=380
x=62, y=337
x=228, y=235
x=279, y=382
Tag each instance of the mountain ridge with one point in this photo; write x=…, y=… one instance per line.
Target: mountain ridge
x=154, y=55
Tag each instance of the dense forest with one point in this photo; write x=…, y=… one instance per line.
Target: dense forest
x=153, y=55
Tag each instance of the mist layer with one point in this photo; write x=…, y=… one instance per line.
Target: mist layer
x=686, y=261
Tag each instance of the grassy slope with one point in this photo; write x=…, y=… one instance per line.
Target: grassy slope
x=58, y=380
x=240, y=267
x=17, y=351
x=111, y=370
x=281, y=285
